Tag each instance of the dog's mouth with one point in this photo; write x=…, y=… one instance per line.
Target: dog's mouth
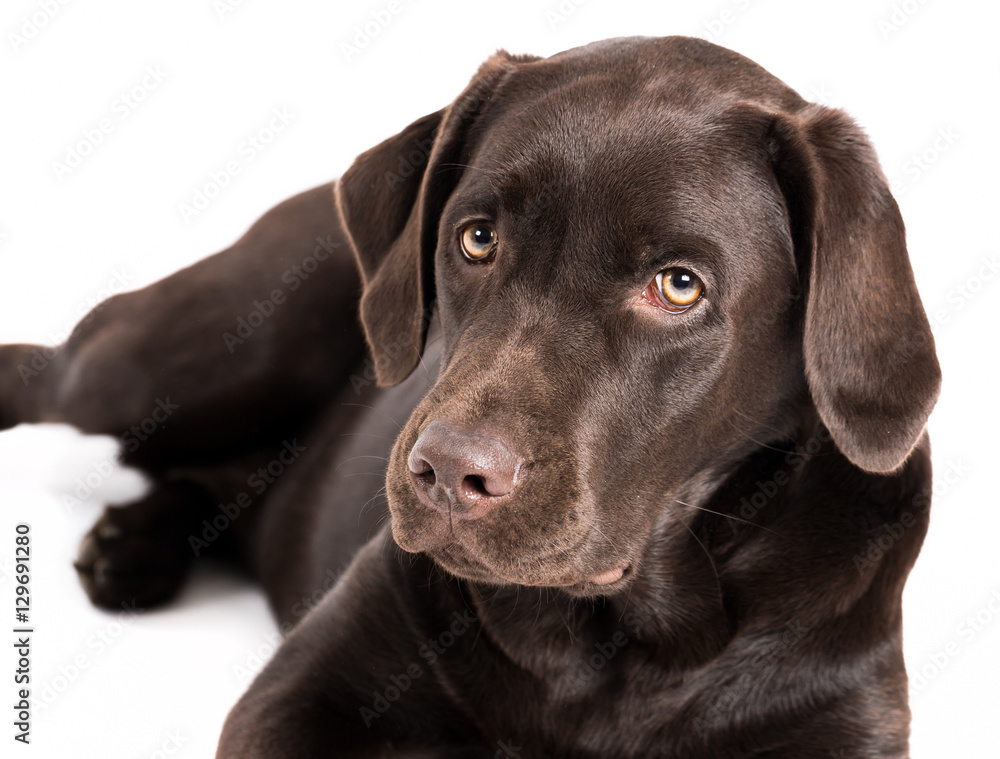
x=605, y=581
x=490, y=511
x=611, y=576
x=457, y=560
x=516, y=545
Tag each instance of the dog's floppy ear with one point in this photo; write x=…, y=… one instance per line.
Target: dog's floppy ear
x=869, y=353
x=389, y=202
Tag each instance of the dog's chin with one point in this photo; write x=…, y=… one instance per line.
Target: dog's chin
x=466, y=563
x=573, y=582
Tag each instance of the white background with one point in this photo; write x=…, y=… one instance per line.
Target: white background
x=920, y=77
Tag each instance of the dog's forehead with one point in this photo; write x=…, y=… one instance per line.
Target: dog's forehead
x=627, y=104
x=611, y=148
x=627, y=120
x=690, y=71
x=622, y=158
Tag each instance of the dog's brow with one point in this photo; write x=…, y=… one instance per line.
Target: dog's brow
x=684, y=249
x=470, y=167
x=470, y=207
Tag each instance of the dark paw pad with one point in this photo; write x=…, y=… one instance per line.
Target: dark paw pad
x=119, y=565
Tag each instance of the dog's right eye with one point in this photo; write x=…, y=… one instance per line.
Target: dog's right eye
x=479, y=241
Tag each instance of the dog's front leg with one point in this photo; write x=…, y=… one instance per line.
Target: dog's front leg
x=350, y=681
x=277, y=723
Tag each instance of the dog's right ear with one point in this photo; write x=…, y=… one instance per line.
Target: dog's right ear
x=389, y=202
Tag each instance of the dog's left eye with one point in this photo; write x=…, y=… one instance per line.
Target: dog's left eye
x=674, y=290
x=479, y=240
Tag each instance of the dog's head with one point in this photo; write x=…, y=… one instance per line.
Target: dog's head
x=648, y=257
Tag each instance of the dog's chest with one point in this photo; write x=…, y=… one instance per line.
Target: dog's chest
x=608, y=695
x=596, y=709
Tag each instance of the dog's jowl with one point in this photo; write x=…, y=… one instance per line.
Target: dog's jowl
x=634, y=333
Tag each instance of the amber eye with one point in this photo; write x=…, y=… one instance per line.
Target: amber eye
x=479, y=240
x=675, y=289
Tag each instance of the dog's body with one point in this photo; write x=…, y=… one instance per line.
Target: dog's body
x=632, y=528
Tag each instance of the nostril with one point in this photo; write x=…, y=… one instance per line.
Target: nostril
x=422, y=472
x=488, y=485
x=425, y=478
x=474, y=487
x=418, y=464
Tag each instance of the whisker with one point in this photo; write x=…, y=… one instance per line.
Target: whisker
x=380, y=473
x=613, y=544
x=378, y=524
x=628, y=597
x=369, y=406
x=751, y=438
x=385, y=547
x=491, y=172
x=517, y=597
x=538, y=610
x=423, y=365
x=471, y=608
x=364, y=434
x=558, y=547
x=380, y=492
x=730, y=516
x=572, y=636
x=711, y=561
x=361, y=456
x=758, y=422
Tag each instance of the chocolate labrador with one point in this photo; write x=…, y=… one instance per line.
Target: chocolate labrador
x=643, y=370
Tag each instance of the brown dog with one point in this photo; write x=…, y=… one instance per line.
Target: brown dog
x=672, y=376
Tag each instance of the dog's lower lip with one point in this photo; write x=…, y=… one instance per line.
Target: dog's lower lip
x=606, y=578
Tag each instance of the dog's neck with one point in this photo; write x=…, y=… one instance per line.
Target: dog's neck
x=677, y=574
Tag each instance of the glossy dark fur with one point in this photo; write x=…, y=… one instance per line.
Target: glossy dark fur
x=746, y=461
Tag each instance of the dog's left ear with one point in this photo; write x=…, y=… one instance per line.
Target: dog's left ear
x=390, y=201
x=869, y=353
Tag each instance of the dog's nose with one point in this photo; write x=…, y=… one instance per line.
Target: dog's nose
x=462, y=473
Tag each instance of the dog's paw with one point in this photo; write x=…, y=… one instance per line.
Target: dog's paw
x=120, y=563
